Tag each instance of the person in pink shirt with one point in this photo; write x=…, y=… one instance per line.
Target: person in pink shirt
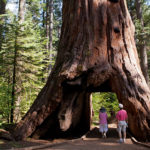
x=103, y=126
x=121, y=123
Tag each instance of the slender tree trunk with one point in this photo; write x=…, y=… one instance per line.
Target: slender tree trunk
x=47, y=24
x=21, y=12
x=16, y=99
x=2, y=6
x=14, y=80
x=2, y=11
x=49, y=30
x=96, y=52
x=142, y=47
x=50, y=34
x=43, y=14
x=8, y=100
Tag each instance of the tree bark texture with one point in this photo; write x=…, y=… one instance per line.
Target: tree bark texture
x=49, y=32
x=96, y=52
x=22, y=6
x=14, y=101
x=50, y=35
x=13, y=93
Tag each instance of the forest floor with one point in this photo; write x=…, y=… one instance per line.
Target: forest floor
x=91, y=140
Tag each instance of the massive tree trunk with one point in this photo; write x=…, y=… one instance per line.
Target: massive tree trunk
x=96, y=53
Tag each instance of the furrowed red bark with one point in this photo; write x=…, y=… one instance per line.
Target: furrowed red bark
x=96, y=53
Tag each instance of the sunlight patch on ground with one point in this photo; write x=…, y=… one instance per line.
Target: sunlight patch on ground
x=112, y=125
x=2, y=142
x=110, y=144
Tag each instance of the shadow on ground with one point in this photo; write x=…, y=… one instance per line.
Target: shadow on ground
x=4, y=144
x=112, y=133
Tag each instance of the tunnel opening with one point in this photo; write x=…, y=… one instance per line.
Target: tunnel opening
x=109, y=101
x=85, y=100
x=84, y=103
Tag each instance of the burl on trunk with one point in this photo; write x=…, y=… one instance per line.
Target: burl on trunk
x=96, y=52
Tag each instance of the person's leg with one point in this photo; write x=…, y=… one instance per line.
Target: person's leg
x=102, y=134
x=105, y=130
x=124, y=133
x=102, y=130
x=120, y=134
x=124, y=138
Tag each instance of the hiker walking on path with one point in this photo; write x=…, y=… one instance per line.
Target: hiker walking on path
x=121, y=123
x=103, y=126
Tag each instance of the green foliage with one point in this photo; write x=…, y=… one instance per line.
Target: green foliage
x=5, y=100
x=6, y=67
x=107, y=100
x=142, y=34
x=30, y=65
x=33, y=11
x=28, y=40
x=57, y=22
x=142, y=30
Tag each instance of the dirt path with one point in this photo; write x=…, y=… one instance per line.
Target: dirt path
x=101, y=144
x=92, y=141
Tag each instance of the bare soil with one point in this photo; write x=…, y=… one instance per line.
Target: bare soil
x=91, y=141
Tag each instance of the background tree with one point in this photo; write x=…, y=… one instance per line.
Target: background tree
x=28, y=37
x=140, y=12
x=50, y=32
x=142, y=46
x=2, y=11
x=22, y=7
x=20, y=42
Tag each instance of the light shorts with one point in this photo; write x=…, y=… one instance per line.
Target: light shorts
x=122, y=126
x=103, y=128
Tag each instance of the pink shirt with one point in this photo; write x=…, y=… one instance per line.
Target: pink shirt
x=121, y=115
x=103, y=118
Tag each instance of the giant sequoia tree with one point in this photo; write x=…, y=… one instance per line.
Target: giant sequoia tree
x=96, y=53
